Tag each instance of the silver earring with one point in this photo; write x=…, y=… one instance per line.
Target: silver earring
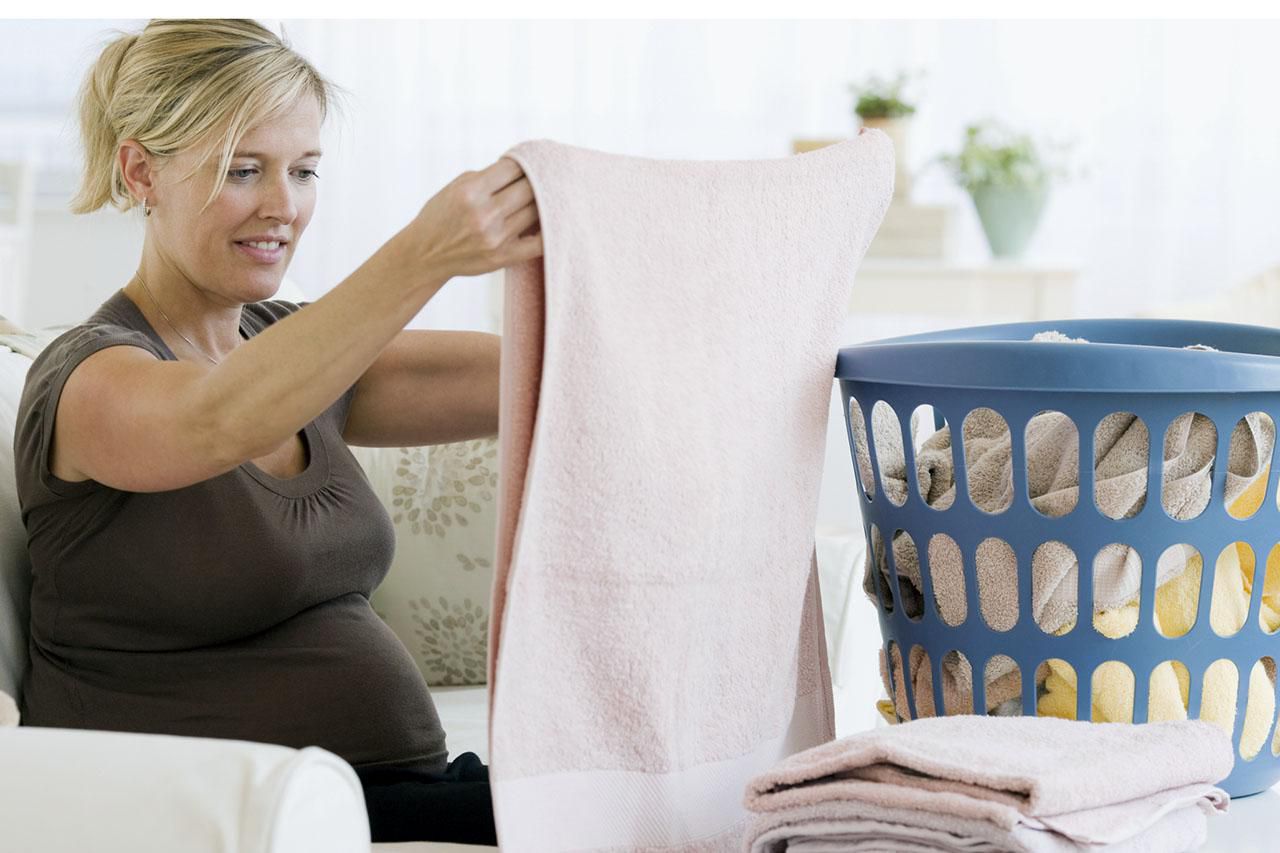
x=146, y=208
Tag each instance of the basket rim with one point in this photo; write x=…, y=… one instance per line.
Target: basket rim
x=1134, y=356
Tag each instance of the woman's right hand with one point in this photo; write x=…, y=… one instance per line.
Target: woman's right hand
x=480, y=222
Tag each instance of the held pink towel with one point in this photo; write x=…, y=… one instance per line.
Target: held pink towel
x=656, y=636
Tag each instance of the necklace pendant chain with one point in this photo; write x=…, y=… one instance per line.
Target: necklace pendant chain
x=172, y=325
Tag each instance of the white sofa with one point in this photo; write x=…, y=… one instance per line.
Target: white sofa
x=106, y=791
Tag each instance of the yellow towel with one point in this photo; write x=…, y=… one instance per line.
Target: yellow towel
x=1176, y=606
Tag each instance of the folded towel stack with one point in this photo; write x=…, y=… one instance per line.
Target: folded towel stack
x=1052, y=459
x=977, y=784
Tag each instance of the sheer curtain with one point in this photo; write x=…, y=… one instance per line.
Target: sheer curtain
x=1168, y=119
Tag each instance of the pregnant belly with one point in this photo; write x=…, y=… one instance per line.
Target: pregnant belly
x=333, y=676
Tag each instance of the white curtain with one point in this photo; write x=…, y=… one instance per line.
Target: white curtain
x=1171, y=119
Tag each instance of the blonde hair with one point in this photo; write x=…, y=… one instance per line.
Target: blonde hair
x=184, y=84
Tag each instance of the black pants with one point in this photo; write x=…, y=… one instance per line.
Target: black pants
x=412, y=805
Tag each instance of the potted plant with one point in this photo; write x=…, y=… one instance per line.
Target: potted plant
x=881, y=104
x=1008, y=179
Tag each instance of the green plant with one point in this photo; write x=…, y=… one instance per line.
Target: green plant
x=881, y=98
x=994, y=155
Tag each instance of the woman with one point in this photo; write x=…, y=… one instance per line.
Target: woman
x=203, y=542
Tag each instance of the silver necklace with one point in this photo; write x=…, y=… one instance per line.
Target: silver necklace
x=170, y=322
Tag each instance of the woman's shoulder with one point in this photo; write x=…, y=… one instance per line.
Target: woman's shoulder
x=72, y=345
x=268, y=311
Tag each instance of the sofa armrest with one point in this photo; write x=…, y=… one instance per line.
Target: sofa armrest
x=69, y=790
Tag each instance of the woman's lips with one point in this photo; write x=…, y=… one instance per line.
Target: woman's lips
x=263, y=256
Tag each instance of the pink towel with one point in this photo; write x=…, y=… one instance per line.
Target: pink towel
x=656, y=636
x=978, y=783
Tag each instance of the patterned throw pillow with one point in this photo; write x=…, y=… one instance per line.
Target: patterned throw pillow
x=442, y=500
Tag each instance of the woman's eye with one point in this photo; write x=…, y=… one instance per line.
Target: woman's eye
x=244, y=174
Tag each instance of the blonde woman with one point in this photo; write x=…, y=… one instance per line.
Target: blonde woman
x=203, y=543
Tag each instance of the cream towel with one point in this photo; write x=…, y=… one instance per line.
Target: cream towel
x=656, y=636
x=975, y=783
x=8, y=710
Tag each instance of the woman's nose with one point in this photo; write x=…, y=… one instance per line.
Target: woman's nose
x=279, y=200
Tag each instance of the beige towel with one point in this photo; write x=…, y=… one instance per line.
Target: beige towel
x=974, y=783
x=8, y=710
x=1053, y=476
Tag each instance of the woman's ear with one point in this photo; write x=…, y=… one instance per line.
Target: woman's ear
x=137, y=170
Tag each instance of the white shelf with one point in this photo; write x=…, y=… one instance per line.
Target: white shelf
x=978, y=291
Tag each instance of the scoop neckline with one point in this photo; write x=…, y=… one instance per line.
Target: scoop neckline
x=309, y=479
x=317, y=470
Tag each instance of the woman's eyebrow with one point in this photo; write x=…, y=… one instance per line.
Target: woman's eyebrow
x=316, y=153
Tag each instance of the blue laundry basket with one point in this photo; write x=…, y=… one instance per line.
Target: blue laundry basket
x=1132, y=366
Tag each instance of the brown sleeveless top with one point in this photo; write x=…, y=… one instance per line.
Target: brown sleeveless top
x=237, y=607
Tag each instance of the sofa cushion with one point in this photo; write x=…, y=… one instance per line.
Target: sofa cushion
x=436, y=597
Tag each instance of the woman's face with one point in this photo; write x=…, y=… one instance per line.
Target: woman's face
x=269, y=195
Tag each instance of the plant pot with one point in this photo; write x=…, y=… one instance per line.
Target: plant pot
x=897, y=129
x=1009, y=216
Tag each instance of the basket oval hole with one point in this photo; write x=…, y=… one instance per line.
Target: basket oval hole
x=946, y=574
x=1167, y=691
x=1054, y=591
x=861, y=451
x=1053, y=463
x=1269, y=612
x=1056, y=689
x=987, y=454
x=1259, y=709
x=875, y=582
x=1218, y=695
x=1121, y=453
x=997, y=570
x=922, y=681
x=1179, y=572
x=1249, y=464
x=1187, y=482
x=886, y=432
x=1232, y=583
x=957, y=692
x=935, y=464
x=1004, y=687
x=895, y=686
x=907, y=560
x=1117, y=576
x=1112, y=694
x=1275, y=739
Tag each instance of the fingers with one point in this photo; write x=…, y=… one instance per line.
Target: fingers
x=515, y=195
x=520, y=221
x=530, y=247
x=500, y=174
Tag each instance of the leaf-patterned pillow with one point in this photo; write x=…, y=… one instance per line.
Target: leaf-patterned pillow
x=442, y=501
